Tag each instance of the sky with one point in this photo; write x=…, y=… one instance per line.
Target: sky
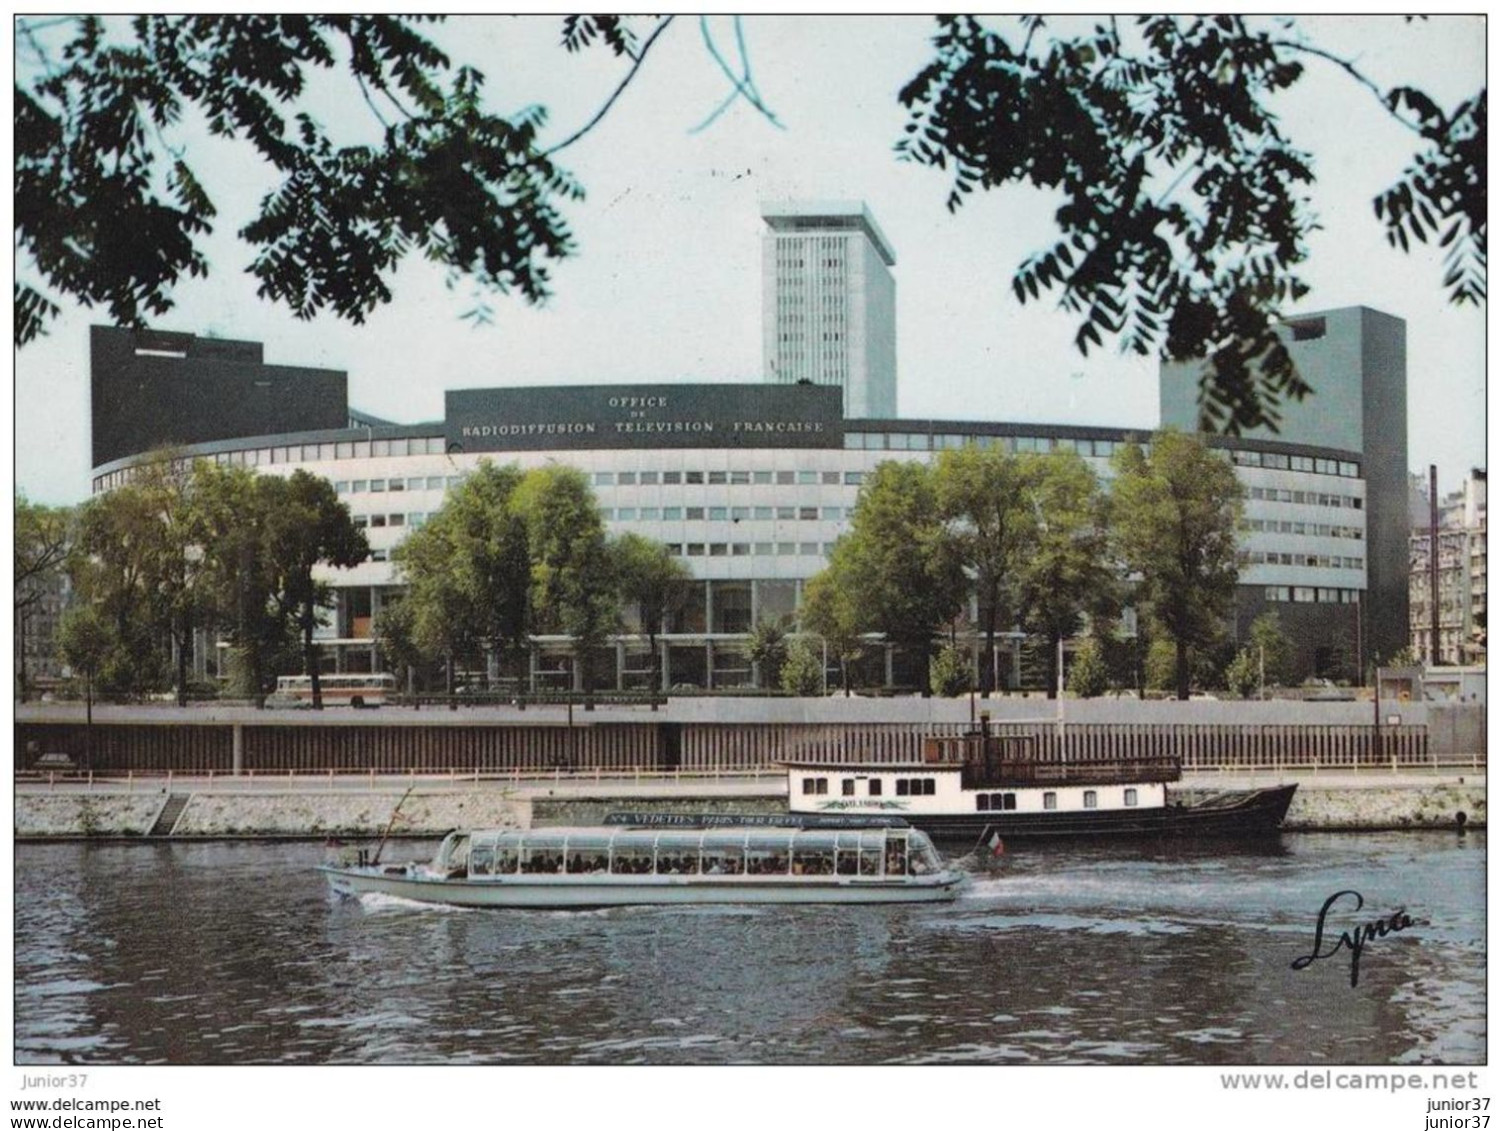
x=666, y=283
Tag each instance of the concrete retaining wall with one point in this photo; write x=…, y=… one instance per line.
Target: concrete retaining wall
x=362, y=813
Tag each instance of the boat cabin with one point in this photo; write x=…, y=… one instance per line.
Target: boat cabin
x=729, y=853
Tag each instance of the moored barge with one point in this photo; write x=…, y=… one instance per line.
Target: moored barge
x=982, y=786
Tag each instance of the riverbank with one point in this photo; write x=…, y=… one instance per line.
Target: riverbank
x=198, y=809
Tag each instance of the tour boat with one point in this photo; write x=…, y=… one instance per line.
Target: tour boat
x=669, y=859
x=983, y=787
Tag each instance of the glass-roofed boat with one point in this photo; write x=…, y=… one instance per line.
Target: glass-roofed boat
x=679, y=862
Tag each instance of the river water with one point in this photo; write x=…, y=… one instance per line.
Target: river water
x=235, y=953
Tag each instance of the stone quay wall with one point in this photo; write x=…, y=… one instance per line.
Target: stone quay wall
x=431, y=810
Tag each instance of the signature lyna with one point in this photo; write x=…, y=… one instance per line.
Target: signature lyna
x=1353, y=940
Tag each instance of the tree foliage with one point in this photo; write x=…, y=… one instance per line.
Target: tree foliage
x=1089, y=675
x=801, y=672
x=985, y=496
x=1175, y=512
x=573, y=582
x=307, y=527
x=112, y=213
x=1065, y=577
x=654, y=581
x=468, y=572
x=898, y=567
x=950, y=673
x=829, y=609
x=1186, y=211
x=42, y=538
x=767, y=649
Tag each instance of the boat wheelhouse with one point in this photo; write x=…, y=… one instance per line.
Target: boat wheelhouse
x=710, y=861
x=980, y=785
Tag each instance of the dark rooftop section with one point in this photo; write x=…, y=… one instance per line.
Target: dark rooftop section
x=151, y=388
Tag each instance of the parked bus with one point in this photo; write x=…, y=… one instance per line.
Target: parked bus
x=359, y=690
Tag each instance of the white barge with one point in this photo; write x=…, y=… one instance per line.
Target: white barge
x=979, y=786
x=658, y=859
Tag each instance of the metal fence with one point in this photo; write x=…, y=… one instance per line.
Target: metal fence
x=416, y=748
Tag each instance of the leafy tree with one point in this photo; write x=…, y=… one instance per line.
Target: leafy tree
x=42, y=541
x=1065, y=576
x=829, y=610
x=949, y=674
x=984, y=495
x=1243, y=676
x=307, y=526
x=656, y=582
x=86, y=640
x=1185, y=211
x=1160, y=667
x=1175, y=511
x=1272, y=650
x=116, y=569
x=801, y=672
x=395, y=636
x=236, y=520
x=1089, y=677
x=111, y=212
x=175, y=565
x=767, y=648
x=468, y=573
x=896, y=565
x=573, y=586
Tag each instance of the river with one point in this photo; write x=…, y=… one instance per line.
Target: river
x=235, y=953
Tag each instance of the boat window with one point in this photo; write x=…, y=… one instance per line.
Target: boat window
x=870, y=861
x=482, y=860
x=506, y=859
x=811, y=861
x=896, y=856
x=847, y=787
x=723, y=860
x=901, y=787
x=823, y=785
x=875, y=787
x=1130, y=797
x=677, y=855
x=766, y=856
x=542, y=854
x=634, y=859
x=928, y=786
x=1091, y=799
x=808, y=785
x=922, y=857
x=982, y=801
x=588, y=854
x=815, y=785
x=1008, y=801
x=1050, y=800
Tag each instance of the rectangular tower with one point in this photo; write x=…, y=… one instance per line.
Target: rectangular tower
x=829, y=303
x=1355, y=360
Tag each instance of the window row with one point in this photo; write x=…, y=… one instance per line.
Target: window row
x=362, y=521
x=728, y=478
x=937, y=441
x=1317, y=529
x=726, y=514
x=1006, y=802
x=1280, y=462
x=1308, y=594
x=1316, y=561
x=1311, y=498
x=745, y=549
x=332, y=450
x=415, y=483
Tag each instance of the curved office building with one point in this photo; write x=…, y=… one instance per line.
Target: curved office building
x=751, y=484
